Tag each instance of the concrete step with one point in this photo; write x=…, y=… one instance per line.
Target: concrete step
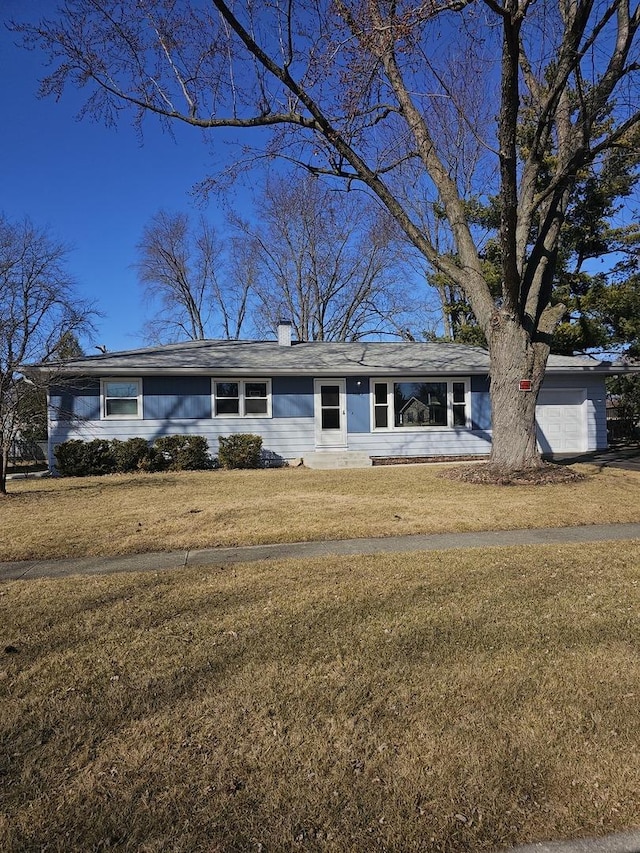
x=328, y=459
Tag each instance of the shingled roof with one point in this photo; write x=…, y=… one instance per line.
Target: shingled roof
x=316, y=358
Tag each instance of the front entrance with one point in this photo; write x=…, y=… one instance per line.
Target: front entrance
x=330, y=413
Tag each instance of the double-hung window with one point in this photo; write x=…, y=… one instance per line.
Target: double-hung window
x=121, y=398
x=243, y=398
x=420, y=403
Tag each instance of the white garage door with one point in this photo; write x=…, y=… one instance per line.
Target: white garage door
x=561, y=417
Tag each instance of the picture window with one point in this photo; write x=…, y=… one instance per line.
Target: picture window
x=420, y=403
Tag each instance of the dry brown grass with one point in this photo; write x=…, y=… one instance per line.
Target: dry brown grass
x=452, y=701
x=159, y=512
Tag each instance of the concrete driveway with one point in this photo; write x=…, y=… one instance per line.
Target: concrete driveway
x=625, y=456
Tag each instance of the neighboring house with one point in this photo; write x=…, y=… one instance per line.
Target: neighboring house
x=432, y=411
x=327, y=403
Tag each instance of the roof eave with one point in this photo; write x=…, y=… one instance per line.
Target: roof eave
x=423, y=370
x=604, y=367
x=103, y=369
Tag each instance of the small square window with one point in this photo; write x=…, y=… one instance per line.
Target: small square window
x=244, y=398
x=255, y=389
x=255, y=407
x=227, y=389
x=121, y=398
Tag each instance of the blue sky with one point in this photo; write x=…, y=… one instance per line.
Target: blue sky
x=94, y=188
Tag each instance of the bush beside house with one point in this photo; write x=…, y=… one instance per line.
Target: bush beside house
x=169, y=453
x=240, y=451
x=134, y=454
x=77, y=458
x=184, y=452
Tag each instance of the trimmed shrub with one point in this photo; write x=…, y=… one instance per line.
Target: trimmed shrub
x=240, y=451
x=77, y=458
x=70, y=458
x=135, y=454
x=100, y=458
x=85, y=458
x=167, y=448
x=184, y=452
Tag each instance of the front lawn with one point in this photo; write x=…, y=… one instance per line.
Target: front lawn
x=122, y=514
x=444, y=701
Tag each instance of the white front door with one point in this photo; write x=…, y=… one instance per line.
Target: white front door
x=330, y=413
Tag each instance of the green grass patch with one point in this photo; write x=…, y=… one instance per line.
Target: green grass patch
x=444, y=701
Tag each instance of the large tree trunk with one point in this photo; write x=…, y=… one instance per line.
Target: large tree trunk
x=513, y=412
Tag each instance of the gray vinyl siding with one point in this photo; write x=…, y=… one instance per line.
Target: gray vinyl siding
x=170, y=397
x=288, y=438
x=431, y=442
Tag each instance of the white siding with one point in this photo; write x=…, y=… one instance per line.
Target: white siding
x=433, y=442
x=287, y=437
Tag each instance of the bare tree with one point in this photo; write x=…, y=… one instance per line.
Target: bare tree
x=38, y=311
x=177, y=268
x=195, y=279
x=327, y=260
x=354, y=89
x=236, y=300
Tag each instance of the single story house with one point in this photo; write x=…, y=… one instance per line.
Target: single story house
x=327, y=403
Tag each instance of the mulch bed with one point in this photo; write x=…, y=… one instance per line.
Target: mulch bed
x=547, y=474
x=419, y=460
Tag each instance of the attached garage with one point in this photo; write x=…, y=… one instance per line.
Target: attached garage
x=561, y=416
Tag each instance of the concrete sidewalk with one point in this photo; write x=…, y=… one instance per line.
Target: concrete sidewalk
x=623, y=842
x=153, y=562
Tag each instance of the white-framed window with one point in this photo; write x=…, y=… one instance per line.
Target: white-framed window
x=421, y=403
x=121, y=398
x=241, y=398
